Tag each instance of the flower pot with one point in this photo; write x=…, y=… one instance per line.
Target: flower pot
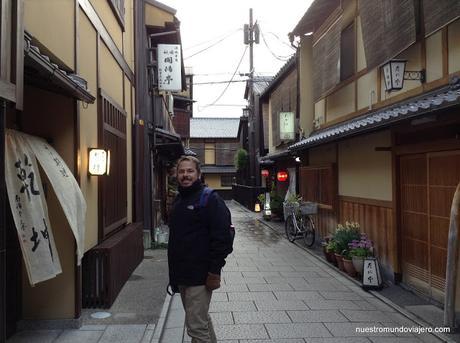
x=358, y=263
x=349, y=268
x=339, y=260
x=329, y=255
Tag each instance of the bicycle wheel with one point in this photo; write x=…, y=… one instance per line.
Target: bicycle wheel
x=290, y=229
x=309, y=231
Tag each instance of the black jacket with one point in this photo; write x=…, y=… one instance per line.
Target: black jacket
x=199, y=238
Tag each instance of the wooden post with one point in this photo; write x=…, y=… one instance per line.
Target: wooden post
x=452, y=262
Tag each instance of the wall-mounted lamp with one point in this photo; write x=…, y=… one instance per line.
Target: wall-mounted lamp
x=98, y=161
x=246, y=111
x=394, y=74
x=297, y=159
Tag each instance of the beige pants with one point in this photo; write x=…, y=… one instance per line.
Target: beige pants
x=195, y=300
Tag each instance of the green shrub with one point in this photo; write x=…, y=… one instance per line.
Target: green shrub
x=345, y=234
x=241, y=159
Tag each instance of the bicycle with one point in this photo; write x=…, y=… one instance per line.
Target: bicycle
x=299, y=223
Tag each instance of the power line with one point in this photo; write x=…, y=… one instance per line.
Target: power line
x=212, y=74
x=280, y=58
x=228, y=84
x=212, y=45
x=229, y=105
x=282, y=41
x=217, y=82
x=212, y=39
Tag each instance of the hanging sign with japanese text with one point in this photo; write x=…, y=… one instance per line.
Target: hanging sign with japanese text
x=29, y=209
x=287, y=125
x=169, y=67
x=23, y=151
x=65, y=186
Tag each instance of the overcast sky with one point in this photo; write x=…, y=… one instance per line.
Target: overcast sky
x=205, y=22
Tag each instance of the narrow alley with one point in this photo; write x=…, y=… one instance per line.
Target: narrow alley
x=273, y=291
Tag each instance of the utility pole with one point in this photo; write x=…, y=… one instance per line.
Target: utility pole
x=251, y=36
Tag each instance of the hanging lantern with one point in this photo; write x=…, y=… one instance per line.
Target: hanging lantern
x=282, y=176
x=264, y=172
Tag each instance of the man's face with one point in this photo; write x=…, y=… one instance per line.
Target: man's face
x=187, y=173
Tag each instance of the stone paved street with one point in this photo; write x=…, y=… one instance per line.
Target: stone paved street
x=274, y=291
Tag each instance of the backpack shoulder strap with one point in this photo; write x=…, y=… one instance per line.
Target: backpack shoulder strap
x=204, y=197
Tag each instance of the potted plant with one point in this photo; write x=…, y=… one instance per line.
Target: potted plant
x=359, y=250
x=343, y=235
x=328, y=250
x=276, y=204
x=348, y=264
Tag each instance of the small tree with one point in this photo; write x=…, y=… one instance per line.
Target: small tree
x=241, y=159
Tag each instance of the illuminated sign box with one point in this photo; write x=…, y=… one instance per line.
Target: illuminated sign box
x=287, y=126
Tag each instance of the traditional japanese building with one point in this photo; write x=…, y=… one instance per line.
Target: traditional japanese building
x=215, y=141
x=159, y=144
x=67, y=85
x=279, y=112
x=382, y=148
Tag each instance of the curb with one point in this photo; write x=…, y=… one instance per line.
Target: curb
x=388, y=302
x=159, y=328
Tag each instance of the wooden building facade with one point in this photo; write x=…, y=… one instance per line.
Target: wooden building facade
x=388, y=160
x=67, y=74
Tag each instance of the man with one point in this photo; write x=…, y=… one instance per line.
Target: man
x=199, y=242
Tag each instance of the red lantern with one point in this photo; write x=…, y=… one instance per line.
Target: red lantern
x=282, y=176
x=264, y=173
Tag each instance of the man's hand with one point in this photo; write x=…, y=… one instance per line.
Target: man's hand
x=212, y=281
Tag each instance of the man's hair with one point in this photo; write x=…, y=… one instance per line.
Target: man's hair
x=190, y=159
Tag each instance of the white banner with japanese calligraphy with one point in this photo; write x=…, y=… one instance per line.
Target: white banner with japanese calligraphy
x=169, y=67
x=65, y=186
x=29, y=209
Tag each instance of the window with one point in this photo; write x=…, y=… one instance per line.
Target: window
x=226, y=180
x=210, y=153
x=347, y=53
x=319, y=184
x=114, y=185
x=225, y=153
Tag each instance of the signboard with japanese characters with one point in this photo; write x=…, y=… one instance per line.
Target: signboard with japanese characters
x=169, y=67
x=28, y=204
x=29, y=209
x=371, y=273
x=287, y=126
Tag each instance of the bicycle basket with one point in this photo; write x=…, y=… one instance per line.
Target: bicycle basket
x=290, y=208
x=308, y=208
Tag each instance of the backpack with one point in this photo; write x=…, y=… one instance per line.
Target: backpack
x=204, y=197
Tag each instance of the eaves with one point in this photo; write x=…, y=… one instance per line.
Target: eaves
x=419, y=106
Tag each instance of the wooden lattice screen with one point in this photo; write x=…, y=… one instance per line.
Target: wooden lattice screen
x=114, y=186
x=319, y=184
x=225, y=153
